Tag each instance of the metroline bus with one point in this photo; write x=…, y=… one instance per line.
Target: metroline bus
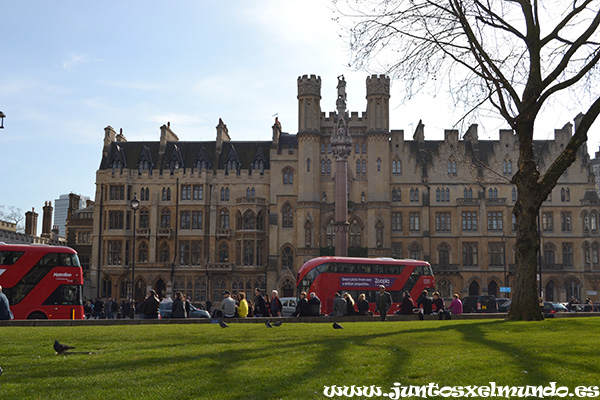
x=327, y=275
x=41, y=281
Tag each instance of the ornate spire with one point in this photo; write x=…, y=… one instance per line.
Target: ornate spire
x=341, y=142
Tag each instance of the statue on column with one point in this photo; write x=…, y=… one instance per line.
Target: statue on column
x=341, y=100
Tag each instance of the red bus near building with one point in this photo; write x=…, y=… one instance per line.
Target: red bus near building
x=327, y=275
x=42, y=282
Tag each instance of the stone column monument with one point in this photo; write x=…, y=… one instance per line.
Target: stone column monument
x=341, y=145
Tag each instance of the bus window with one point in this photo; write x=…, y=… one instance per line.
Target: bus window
x=69, y=260
x=10, y=257
x=65, y=295
x=49, y=260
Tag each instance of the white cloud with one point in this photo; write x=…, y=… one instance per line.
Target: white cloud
x=76, y=59
x=137, y=85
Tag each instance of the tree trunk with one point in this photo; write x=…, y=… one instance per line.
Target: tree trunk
x=525, y=300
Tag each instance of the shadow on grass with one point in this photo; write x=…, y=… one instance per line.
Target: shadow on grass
x=224, y=360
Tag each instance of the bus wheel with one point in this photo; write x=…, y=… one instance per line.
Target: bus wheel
x=37, y=315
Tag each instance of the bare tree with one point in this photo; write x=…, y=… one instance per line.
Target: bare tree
x=514, y=57
x=12, y=214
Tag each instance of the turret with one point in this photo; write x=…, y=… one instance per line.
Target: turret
x=309, y=103
x=378, y=103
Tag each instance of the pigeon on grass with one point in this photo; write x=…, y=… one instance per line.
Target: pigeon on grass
x=337, y=326
x=268, y=324
x=61, y=348
x=278, y=323
x=223, y=324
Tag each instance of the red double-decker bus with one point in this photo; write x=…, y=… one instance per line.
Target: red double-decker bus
x=327, y=275
x=42, y=282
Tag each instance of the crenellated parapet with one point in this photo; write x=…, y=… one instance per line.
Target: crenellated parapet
x=309, y=85
x=378, y=85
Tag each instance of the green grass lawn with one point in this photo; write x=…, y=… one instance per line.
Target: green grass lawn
x=295, y=361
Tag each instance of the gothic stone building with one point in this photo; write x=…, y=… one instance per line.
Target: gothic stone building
x=236, y=215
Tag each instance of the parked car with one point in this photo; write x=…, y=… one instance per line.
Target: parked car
x=167, y=306
x=480, y=304
x=289, y=306
x=503, y=304
x=551, y=308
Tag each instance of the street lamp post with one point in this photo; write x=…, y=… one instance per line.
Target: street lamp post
x=504, y=239
x=2, y=116
x=135, y=204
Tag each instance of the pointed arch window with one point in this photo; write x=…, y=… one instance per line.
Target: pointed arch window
x=249, y=220
x=287, y=216
x=507, y=167
x=355, y=234
x=223, y=252
x=330, y=234
x=328, y=167
x=224, y=219
x=288, y=176
x=451, y=167
x=165, y=218
x=287, y=257
x=396, y=167
x=414, y=250
x=143, y=253
x=248, y=252
x=144, y=222
x=378, y=164
x=164, y=255
x=308, y=165
x=224, y=194
x=414, y=195
x=586, y=222
x=443, y=254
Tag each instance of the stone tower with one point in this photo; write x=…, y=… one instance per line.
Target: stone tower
x=341, y=145
x=309, y=179
x=309, y=104
x=378, y=150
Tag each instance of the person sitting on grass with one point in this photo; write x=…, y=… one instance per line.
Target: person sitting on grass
x=339, y=306
x=424, y=304
x=438, y=304
x=363, y=305
x=228, y=305
x=407, y=306
x=314, y=305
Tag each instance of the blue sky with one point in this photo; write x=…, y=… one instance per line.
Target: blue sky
x=71, y=68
